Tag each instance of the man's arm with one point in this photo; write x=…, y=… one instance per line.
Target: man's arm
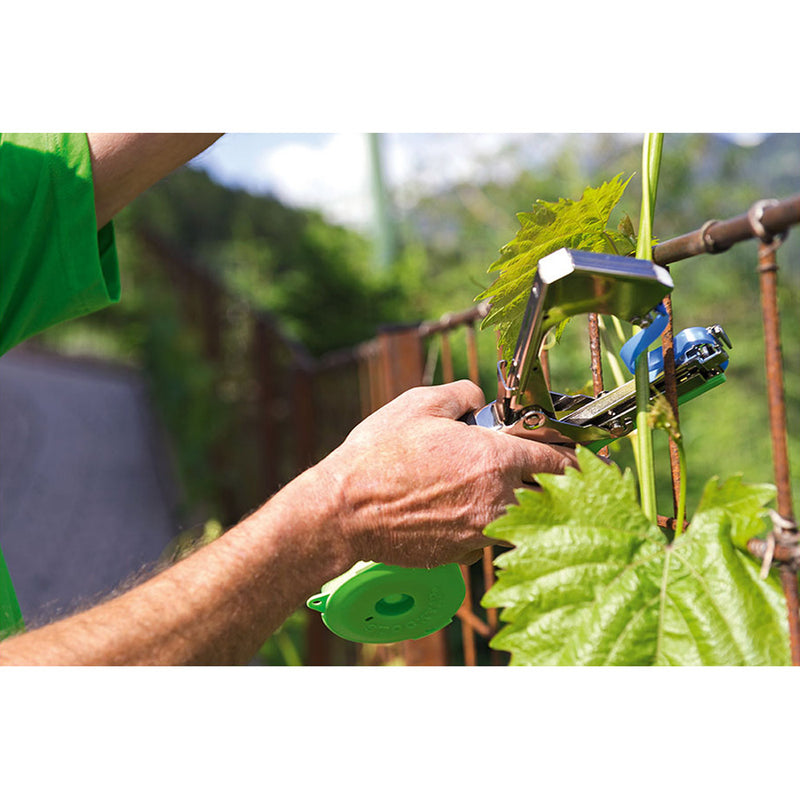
x=216, y=606
x=410, y=486
x=125, y=164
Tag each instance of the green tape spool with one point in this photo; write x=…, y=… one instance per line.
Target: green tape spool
x=378, y=603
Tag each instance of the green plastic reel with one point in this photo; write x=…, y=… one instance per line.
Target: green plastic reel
x=378, y=603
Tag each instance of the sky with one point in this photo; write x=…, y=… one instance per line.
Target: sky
x=331, y=172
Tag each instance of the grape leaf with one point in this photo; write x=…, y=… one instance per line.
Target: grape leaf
x=592, y=581
x=579, y=224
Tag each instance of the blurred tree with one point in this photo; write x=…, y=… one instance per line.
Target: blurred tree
x=283, y=260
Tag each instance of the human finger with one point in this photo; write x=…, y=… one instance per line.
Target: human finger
x=471, y=558
x=533, y=458
x=451, y=400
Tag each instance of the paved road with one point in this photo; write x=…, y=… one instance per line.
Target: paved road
x=85, y=500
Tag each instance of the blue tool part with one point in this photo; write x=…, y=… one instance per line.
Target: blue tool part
x=687, y=344
x=639, y=343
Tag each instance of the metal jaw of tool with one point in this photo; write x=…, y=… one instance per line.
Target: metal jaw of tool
x=571, y=282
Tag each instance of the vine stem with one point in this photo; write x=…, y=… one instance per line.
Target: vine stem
x=651, y=165
x=681, y=514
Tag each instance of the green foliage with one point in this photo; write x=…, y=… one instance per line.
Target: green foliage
x=580, y=224
x=592, y=581
x=317, y=278
x=287, y=646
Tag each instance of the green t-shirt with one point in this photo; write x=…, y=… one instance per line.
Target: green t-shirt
x=54, y=263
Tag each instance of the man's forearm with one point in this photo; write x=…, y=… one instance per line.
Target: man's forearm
x=218, y=605
x=411, y=486
x=125, y=164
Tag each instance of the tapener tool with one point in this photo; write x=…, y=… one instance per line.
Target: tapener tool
x=379, y=603
x=571, y=282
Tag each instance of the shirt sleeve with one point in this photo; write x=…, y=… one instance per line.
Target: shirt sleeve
x=54, y=263
x=11, y=620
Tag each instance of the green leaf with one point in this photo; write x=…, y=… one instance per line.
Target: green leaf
x=744, y=505
x=625, y=227
x=579, y=224
x=592, y=581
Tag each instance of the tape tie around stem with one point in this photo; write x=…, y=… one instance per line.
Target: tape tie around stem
x=641, y=342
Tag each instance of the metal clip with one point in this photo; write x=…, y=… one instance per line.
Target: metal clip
x=501, y=378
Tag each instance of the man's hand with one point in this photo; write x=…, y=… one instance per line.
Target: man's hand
x=417, y=487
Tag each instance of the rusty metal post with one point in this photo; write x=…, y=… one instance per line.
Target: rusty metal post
x=472, y=354
x=401, y=360
x=773, y=362
x=448, y=376
x=596, y=361
x=595, y=354
x=788, y=576
x=373, y=394
x=671, y=393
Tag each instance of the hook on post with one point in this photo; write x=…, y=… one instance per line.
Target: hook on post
x=771, y=241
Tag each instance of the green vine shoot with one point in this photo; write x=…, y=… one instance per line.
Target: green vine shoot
x=651, y=165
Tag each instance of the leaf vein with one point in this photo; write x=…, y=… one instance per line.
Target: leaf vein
x=628, y=624
x=699, y=578
x=662, y=599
